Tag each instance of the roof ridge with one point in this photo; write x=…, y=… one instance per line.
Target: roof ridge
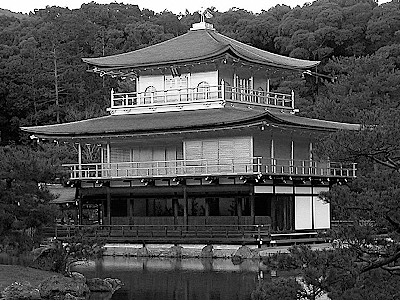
x=126, y=53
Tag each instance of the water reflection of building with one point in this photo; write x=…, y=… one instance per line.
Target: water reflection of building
x=202, y=136
x=161, y=278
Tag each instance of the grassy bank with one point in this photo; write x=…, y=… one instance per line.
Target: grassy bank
x=12, y=273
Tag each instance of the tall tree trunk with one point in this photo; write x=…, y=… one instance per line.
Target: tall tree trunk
x=56, y=85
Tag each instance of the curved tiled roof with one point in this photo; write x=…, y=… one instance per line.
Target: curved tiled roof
x=195, y=46
x=165, y=122
x=314, y=123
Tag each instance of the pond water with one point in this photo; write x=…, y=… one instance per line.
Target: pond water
x=174, y=279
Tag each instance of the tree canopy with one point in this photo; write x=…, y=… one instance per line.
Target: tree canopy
x=43, y=79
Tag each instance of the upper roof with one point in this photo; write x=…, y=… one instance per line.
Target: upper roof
x=168, y=122
x=195, y=46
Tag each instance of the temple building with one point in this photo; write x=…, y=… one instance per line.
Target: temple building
x=198, y=135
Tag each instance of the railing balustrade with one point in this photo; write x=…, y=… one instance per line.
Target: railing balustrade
x=310, y=168
x=206, y=167
x=151, y=233
x=203, y=94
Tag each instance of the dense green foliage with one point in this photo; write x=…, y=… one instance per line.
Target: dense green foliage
x=336, y=273
x=43, y=79
x=24, y=208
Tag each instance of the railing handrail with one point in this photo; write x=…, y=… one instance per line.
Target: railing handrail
x=210, y=93
x=242, y=166
x=237, y=161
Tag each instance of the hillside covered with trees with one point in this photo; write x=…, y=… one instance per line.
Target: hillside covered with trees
x=44, y=81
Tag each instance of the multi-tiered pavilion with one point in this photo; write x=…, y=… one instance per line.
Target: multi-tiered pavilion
x=200, y=138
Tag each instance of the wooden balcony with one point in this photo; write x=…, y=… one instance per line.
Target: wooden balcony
x=174, y=168
x=136, y=102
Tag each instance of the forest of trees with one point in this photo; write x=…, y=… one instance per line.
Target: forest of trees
x=43, y=81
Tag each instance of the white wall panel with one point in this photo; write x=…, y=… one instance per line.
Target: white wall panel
x=322, y=213
x=303, y=212
x=151, y=80
x=263, y=189
x=302, y=189
x=284, y=190
x=210, y=77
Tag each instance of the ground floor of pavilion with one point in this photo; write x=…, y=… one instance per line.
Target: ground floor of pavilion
x=283, y=208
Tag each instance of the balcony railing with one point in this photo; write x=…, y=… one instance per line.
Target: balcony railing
x=310, y=168
x=159, y=169
x=201, y=94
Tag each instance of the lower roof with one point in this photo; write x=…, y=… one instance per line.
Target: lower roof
x=164, y=122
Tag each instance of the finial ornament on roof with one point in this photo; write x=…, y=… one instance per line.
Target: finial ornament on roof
x=204, y=14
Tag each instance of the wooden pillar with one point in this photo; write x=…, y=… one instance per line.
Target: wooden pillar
x=80, y=217
x=175, y=207
x=273, y=212
x=206, y=207
x=80, y=160
x=138, y=90
x=99, y=214
x=292, y=170
x=185, y=206
x=129, y=204
x=108, y=195
x=239, y=207
x=273, y=162
x=252, y=203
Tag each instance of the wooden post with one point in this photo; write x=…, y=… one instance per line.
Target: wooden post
x=99, y=207
x=206, y=207
x=185, y=206
x=239, y=206
x=129, y=203
x=273, y=162
x=80, y=160
x=252, y=204
x=292, y=157
x=112, y=98
x=273, y=212
x=175, y=207
x=222, y=89
x=292, y=99
x=80, y=218
x=108, y=195
x=108, y=167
